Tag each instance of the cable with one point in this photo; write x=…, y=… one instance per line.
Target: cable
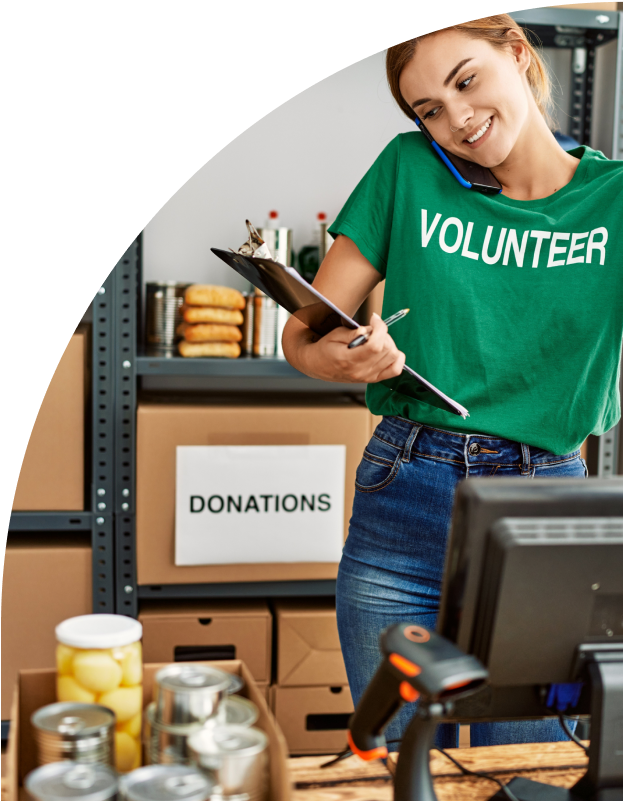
x=342, y=755
x=570, y=734
x=479, y=774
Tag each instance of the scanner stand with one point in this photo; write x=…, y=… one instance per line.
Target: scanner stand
x=413, y=780
x=602, y=666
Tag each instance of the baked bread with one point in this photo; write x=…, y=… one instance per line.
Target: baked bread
x=212, y=314
x=209, y=295
x=228, y=350
x=211, y=332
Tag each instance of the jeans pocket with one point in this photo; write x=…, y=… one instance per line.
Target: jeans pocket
x=379, y=466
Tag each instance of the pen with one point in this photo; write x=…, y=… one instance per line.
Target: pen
x=392, y=319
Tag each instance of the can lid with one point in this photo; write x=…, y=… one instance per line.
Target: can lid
x=165, y=783
x=235, y=711
x=73, y=720
x=236, y=683
x=99, y=631
x=65, y=780
x=228, y=740
x=189, y=677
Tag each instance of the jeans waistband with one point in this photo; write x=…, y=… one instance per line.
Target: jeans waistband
x=469, y=449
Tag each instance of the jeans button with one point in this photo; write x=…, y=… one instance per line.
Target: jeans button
x=474, y=448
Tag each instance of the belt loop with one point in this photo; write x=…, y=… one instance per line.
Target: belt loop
x=406, y=456
x=525, y=452
x=466, y=455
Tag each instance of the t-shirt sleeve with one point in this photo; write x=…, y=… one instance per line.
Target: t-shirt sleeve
x=367, y=215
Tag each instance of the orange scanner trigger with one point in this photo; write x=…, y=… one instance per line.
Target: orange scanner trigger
x=408, y=693
x=373, y=753
x=404, y=665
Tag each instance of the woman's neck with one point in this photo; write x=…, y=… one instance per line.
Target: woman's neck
x=537, y=166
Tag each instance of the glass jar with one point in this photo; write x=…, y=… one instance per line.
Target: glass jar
x=99, y=660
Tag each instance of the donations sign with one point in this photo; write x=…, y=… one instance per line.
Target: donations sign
x=259, y=503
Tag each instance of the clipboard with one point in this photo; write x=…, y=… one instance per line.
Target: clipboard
x=290, y=290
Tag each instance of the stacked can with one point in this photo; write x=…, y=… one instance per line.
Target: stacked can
x=72, y=780
x=189, y=698
x=235, y=758
x=77, y=732
x=165, y=783
x=99, y=661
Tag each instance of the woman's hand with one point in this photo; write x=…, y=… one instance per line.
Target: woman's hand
x=330, y=358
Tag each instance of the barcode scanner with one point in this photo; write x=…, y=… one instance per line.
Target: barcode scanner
x=417, y=664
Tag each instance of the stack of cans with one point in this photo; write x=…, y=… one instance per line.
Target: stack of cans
x=77, y=732
x=189, y=698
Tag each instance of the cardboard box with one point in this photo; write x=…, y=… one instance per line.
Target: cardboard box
x=308, y=645
x=52, y=474
x=314, y=720
x=36, y=688
x=45, y=582
x=209, y=630
x=163, y=426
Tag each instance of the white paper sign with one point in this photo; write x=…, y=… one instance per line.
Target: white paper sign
x=259, y=503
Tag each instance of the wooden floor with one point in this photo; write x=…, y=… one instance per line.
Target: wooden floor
x=559, y=764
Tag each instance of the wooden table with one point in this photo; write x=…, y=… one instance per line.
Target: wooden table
x=352, y=779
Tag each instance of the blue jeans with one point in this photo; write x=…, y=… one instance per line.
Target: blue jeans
x=393, y=559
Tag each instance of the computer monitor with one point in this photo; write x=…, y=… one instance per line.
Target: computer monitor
x=533, y=587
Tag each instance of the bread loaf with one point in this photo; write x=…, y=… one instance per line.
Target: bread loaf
x=212, y=332
x=212, y=314
x=229, y=350
x=209, y=295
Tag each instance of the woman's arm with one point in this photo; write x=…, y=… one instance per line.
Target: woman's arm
x=346, y=278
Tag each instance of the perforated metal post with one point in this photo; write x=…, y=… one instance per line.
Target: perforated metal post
x=127, y=292
x=102, y=450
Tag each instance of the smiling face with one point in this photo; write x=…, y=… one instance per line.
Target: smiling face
x=468, y=84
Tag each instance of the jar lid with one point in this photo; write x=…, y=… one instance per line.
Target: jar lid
x=73, y=720
x=99, y=631
x=65, y=780
x=165, y=783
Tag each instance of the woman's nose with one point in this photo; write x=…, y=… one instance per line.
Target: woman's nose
x=460, y=117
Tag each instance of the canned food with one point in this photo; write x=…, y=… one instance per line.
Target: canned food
x=188, y=693
x=164, y=301
x=165, y=783
x=165, y=744
x=236, y=683
x=265, y=325
x=68, y=780
x=78, y=732
x=246, y=344
x=235, y=757
x=279, y=242
x=99, y=660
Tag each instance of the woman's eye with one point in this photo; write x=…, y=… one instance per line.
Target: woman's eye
x=432, y=113
x=464, y=84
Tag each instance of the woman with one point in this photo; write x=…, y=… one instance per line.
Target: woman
x=516, y=313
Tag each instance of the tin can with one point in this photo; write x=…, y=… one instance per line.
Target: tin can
x=77, y=732
x=246, y=344
x=188, y=693
x=264, y=325
x=69, y=780
x=163, y=301
x=235, y=757
x=168, y=744
x=165, y=783
x=279, y=241
x=236, y=683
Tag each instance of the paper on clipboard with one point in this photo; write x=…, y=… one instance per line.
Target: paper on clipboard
x=290, y=290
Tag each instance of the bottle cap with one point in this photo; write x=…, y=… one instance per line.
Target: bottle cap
x=99, y=631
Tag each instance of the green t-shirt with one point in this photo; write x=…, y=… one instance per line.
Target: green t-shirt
x=516, y=306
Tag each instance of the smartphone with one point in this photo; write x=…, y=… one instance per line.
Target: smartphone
x=467, y=173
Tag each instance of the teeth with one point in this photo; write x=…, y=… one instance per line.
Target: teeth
x=479, y=133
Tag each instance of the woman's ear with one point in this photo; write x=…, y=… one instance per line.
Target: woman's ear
x=518, y=50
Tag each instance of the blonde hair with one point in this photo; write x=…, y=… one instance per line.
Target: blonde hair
x=493, y=30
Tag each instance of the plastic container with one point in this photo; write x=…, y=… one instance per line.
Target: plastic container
x=99, y=660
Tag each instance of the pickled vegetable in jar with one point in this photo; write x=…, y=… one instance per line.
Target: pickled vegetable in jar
x=99, y=660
